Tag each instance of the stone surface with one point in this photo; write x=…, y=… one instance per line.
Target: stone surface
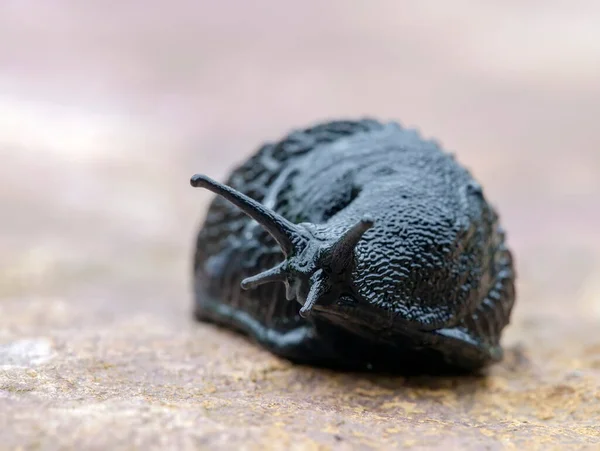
x=105, y=112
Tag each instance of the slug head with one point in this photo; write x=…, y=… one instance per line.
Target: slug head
x=317, y=270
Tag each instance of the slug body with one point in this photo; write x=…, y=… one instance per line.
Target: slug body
x=356, y=244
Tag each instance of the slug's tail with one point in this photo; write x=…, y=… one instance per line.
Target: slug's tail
x=336, y=253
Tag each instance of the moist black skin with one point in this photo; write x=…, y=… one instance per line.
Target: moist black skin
x=356, y=245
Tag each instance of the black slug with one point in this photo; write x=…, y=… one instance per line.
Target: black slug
x=359, y=245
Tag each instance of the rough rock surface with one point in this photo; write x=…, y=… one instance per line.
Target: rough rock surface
x=98, y=349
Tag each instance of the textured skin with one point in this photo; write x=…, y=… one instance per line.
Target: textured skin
x=432, y=283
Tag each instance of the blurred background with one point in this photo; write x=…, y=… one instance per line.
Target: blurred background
x=107, y=109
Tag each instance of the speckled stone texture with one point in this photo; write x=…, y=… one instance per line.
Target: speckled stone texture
x=106, y=111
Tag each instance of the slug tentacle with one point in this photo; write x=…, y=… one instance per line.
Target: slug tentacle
x=342, y=250
x=317, y=291
x=287, y=235
x=306, y=254
x=276, y=274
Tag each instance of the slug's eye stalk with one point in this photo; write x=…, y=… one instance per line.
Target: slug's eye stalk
x=342, y=251
x=315, y=267
x=287, y=235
